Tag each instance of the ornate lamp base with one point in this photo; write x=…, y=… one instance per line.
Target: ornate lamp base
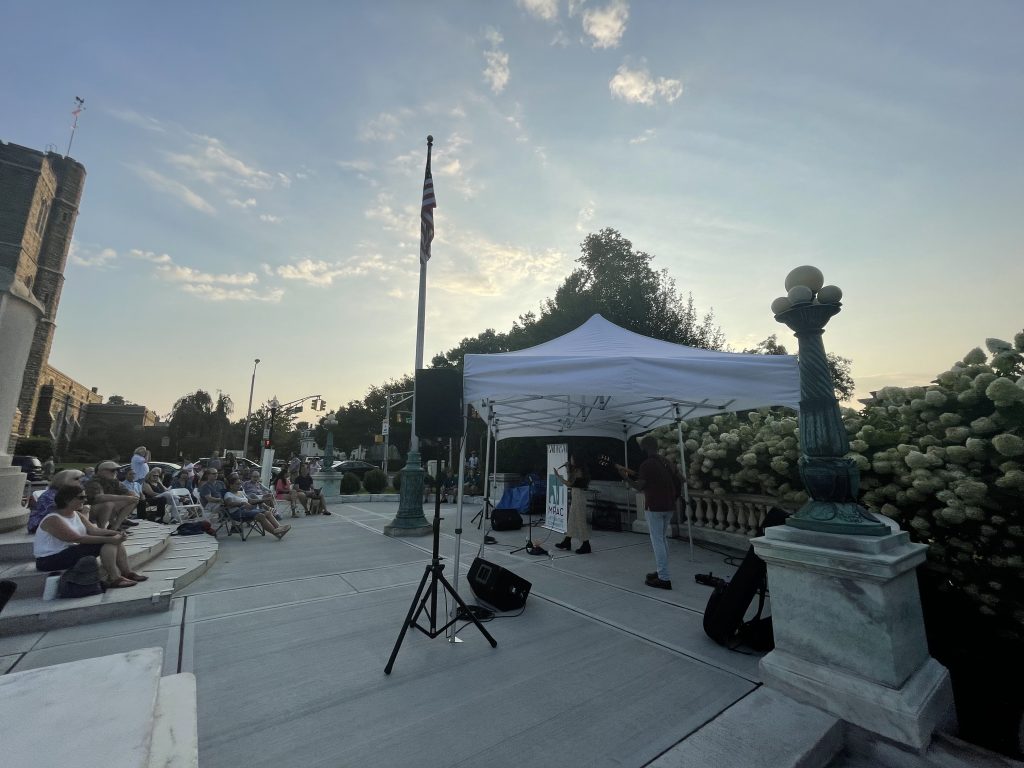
x=837, y=517
x=410, y=520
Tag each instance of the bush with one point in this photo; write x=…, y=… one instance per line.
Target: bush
x=945, y=460
x=350, y=483
x=396, y=481
x=40, y=447
x=375, y=480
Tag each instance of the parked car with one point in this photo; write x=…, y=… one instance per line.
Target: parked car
x=30, y=465
x=356, y=466
x=244, y=465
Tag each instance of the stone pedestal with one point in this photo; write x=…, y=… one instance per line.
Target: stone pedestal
x=19, y=313
x=849, y=633
x=328, y=482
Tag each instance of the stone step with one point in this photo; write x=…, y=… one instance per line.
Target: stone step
x=183, y=560
x=15, y=547
x=146, y=542
x=124, y=685
x=175, y=741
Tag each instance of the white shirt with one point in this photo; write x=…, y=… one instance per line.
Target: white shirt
x=140, y=466
x=45, y=543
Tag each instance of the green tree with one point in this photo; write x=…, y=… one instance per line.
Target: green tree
x=198, y=425
x=116, y=400
x=282, y=427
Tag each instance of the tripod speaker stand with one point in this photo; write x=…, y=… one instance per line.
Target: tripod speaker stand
x=529, y=546
x=425, y=599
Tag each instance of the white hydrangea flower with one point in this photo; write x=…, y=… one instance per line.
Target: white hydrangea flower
x=935, y=398
x=1012, y=480
x=958, y=454
x=971, y=490
x=950, y=419
x=983, y=425
x=1004, y=392
x=996, y=346
x=982, y=380
x=975, y=357
x=1008, y=445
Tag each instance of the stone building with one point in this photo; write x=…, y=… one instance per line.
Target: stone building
x=113, y=417
x=39, y=197
x=61, y=406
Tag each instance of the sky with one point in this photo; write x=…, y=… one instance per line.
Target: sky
x=255, y=171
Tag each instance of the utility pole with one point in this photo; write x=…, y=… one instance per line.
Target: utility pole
x=248, y=413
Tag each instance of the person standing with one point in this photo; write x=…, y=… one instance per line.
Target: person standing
x=578, y=481
x=657, y=480
x=48, y=468
x=140, y=463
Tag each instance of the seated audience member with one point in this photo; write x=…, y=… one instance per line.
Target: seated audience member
x=65, y=536
x=155, y=492
x=239, y=508
x=110, y=503
x=285, y=491
x=258, y=493
x=45, y=503
x=130, y=483
x=229, y=464
x=89, y=474
x=210, y=492
x=189, y=467
x=182, y=480
x=315, y=500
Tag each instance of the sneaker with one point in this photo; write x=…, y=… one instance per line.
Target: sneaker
x=130, y=523
x=657, y=583
x=326, y=512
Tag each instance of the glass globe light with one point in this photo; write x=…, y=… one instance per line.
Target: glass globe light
x=800, y=294
x=780, y=305
x=830, y=294
x=806, y=275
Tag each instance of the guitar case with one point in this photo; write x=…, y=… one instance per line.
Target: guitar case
x=728, y=604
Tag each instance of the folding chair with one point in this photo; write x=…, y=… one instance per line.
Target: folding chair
x=231, y=520
x=184, y=506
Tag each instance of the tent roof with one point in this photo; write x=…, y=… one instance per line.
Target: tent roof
x=601, y=380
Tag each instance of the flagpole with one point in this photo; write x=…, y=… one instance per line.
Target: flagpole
x=79, y=106
x=410, y=520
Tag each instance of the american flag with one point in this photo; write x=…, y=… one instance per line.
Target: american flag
x=427, y=212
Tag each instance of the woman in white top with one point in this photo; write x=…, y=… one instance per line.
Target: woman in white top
x=65, y=536
x=140, y=463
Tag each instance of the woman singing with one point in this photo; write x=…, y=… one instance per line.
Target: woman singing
x=577, y=528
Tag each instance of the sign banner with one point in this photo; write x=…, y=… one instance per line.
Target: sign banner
x=556, y=509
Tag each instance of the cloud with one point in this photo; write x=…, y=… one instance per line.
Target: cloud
x=219, y=293
x=450, y=162
x=647, y=135
x=270, y=218
x=320, y=273
x=384, y=127
x=175, y=272
x=546, y=10
x=132, y=117
x=211, y=162
x=607, y=25
x=361, y=166
x=247, y=203
x=585, y=217
x=86, y=257
x=174, y=188
x=149, y=256
x=207, y=285
x=496, y=73
x=638, y=87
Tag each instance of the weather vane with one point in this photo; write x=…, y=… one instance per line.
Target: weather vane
x=79, y=108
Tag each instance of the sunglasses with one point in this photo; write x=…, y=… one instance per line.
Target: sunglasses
x=81, y=497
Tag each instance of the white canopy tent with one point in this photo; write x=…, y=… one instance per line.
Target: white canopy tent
x=601, y=380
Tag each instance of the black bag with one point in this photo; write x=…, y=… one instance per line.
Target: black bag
x=191, y=529
x=81, y=580
x=504, y=519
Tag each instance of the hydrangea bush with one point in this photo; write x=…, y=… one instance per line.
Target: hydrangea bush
x=945, y=460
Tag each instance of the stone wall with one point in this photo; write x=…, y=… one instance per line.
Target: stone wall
x=39, y=199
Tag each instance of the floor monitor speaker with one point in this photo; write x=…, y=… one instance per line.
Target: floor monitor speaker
x=497, y=586
x=506, y=519
x=438, y=402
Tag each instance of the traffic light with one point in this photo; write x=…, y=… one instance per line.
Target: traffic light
x=266, y=444
x=323, y=405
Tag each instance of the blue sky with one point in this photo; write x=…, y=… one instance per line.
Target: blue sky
x=255, y=170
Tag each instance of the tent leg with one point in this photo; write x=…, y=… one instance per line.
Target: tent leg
x=686, y=487
x=625, y=463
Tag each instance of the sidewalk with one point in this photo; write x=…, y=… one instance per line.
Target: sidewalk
x=288, y=641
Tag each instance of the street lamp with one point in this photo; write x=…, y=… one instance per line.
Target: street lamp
x=329, y=423
x=831, y=479
x=268, y=443
x=248, y=413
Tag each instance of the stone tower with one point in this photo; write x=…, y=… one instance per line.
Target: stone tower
x=39, y=197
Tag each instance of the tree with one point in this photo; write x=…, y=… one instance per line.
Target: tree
x=282, y=427
x=838, y=366
x=116, y=400
x=197, y=425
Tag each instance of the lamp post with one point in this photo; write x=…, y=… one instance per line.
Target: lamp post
x=248, y=413
x=329, y=423
x=831, y=479
x=268, y=443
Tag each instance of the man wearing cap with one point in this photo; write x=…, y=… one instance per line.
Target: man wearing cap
x=46, y=503
x=111, y=503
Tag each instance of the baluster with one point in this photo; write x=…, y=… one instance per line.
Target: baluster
x=719, y=514
x=730, y=516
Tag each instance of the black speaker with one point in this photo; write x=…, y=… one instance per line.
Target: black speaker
x=506, y=519
x=439, y=402
x=497, y=586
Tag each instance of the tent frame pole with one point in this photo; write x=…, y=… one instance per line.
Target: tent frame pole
x=456, y=575
x=686, y=484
